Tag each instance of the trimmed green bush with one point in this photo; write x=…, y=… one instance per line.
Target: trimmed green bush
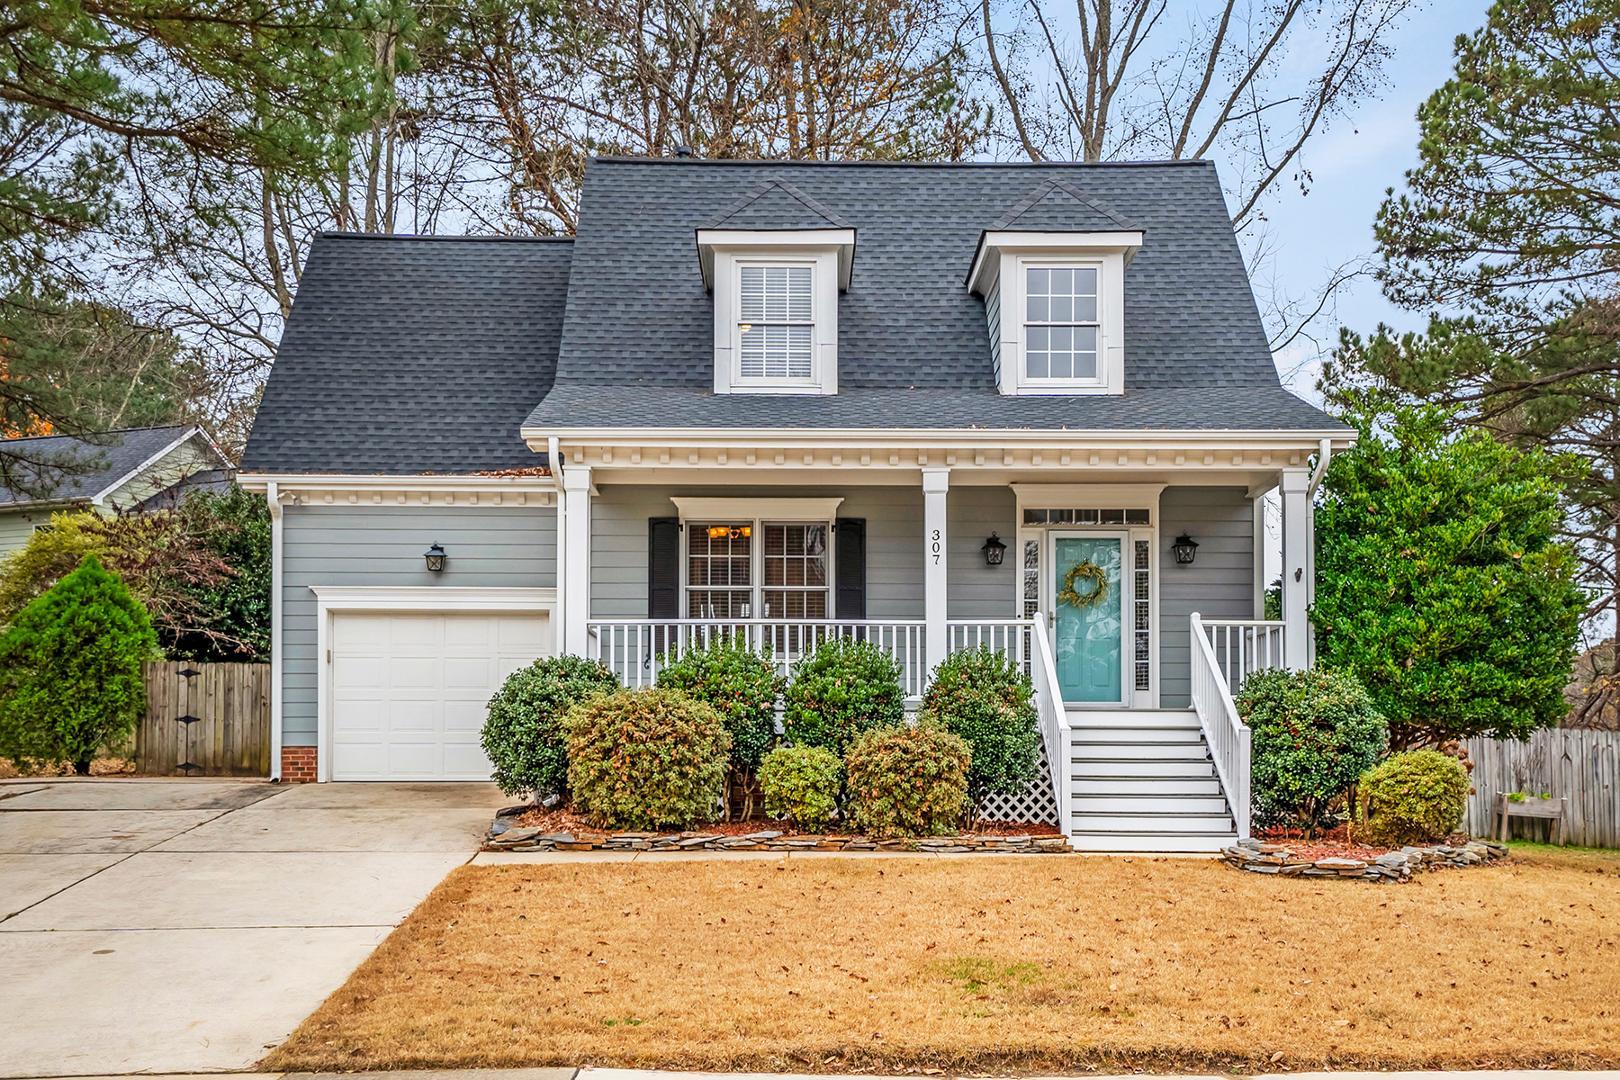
x=524, y=735
x=843, y=688
x=1417, y=797
x=1314, y=733
x=981, y=695
x=801, y=785
x=742, y=686
x=645, y=759
x=70, y=670
x=907, y=781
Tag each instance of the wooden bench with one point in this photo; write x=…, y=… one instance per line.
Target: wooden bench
x=1549, y=810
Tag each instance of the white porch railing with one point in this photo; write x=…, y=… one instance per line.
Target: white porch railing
x=1010, y=636
x=1053, y=718
x=1224, y=731
x=1245, y=646
x=634, y=649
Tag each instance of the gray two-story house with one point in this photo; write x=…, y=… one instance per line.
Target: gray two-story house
x=933, y=406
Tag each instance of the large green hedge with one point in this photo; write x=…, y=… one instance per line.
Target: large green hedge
x=1440, y=583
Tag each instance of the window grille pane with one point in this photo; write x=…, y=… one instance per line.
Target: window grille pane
x=1142, y=614
x=777, y=294
x=777, y=352
x=1060, y=315
x=718, y=556
x=796, y=578
x=1032, y=578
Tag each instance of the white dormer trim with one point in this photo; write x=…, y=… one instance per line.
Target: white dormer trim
x=711, y=241
x=829, y=255
x=999, y=270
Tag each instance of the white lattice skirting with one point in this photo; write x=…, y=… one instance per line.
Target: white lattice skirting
x=1034, y=804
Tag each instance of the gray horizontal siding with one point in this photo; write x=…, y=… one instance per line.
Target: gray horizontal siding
x=1219, y=584
x=894, y=545
x=488, y=547
x=16, y=526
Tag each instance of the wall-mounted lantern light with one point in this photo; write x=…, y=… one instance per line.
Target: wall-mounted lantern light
x=994, y=550
x=1186, y=549
x=435, y=558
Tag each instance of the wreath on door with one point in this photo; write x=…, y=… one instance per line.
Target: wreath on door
x=1084, y=572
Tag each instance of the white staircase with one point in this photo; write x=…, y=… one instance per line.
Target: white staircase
x=1143, y=780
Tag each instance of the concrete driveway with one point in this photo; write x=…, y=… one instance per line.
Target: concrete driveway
x=189, y=925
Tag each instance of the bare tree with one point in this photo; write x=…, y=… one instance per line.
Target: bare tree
x=1127, y=80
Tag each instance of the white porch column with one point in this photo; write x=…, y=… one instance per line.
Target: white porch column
x=1297, y=526
x=935, y=483
x=576, y=568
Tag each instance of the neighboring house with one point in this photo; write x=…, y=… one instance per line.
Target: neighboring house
x=796, y=401
x=134, y=469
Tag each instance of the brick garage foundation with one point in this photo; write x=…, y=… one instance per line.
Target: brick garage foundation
x=297, y=764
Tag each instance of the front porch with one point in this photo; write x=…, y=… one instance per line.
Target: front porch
x=663, y=551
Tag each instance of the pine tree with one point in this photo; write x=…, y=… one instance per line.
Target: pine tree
x=70, y=670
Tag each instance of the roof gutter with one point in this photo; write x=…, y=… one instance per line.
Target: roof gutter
x=554, y=466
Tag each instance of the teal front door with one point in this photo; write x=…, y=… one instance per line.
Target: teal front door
x=1088, y=635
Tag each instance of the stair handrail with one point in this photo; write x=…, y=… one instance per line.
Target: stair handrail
x=1053, y=718
x=1225, y=732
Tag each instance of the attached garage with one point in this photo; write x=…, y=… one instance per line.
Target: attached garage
x=406, y=686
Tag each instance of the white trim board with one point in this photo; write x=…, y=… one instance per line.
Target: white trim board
x=705, y=508
x=332, y=599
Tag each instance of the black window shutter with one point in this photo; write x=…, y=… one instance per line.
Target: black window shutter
x=849, y=598
x=663, y=568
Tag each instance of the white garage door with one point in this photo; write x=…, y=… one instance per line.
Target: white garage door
x=409, y=690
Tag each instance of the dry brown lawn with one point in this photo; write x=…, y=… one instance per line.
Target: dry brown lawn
x=988, y=964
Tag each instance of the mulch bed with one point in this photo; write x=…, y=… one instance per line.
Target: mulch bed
x=1334, y=843
x=564, y=819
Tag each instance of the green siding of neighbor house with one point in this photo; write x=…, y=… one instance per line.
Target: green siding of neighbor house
x=488, y=547
x=16, y=526
x=190, y=457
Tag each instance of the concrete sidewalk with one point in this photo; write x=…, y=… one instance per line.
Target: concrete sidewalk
x=151, y=926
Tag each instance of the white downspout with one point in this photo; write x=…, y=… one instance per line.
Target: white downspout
x=1324, y=454
x=554, y=464
x=272, y=494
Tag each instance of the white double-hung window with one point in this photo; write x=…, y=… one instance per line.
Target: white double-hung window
x=1061, y=324
x=1055, y=305
x=776, y=322
x=776, y=307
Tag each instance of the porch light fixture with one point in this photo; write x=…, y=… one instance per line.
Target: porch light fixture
x=1186, y=549
x=435, y=558
x=994, y=550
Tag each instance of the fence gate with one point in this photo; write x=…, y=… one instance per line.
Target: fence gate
x=205, y=720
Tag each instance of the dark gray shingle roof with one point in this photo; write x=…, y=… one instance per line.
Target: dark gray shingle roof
x=778, y=205
x=1055, y=206
x=639, y=318
x=409, y=355
x=62, y=468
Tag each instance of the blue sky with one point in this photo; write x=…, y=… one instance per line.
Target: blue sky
x=1353, y=164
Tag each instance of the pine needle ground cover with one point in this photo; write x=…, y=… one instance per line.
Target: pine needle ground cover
x=986, y=964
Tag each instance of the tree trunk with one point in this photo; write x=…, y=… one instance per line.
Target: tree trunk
x=81, y=767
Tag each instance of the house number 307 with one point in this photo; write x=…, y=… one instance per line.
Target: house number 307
x=934, y=546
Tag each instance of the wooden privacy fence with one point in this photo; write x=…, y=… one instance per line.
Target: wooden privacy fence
x=228, y=730
x=1574, y=764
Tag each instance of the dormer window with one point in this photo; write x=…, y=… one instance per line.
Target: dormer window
x=776, y=323
x=776, y=262
x=1062, y=328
